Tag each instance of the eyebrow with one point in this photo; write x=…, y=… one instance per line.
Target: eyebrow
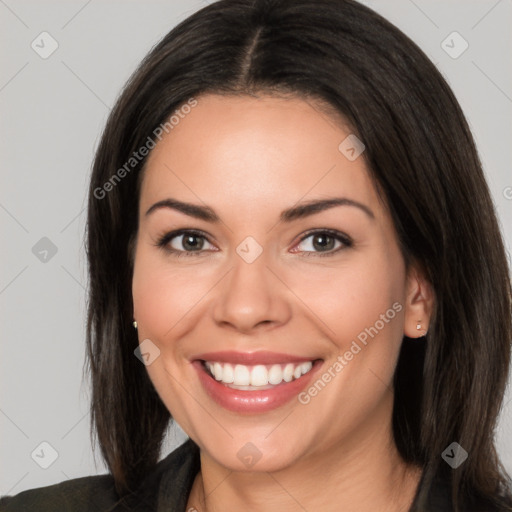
x=296, y=212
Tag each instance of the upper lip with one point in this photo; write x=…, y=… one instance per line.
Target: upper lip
x=251, y=358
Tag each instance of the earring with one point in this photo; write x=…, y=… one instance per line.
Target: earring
x=418, y=327
x=135, y=324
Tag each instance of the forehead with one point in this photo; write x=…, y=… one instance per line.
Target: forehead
x=244, y=152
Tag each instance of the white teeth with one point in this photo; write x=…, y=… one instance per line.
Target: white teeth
x=275, y=375
x=228, y=374
x=242, y=375
x=258, y=376
x=217, y=371
x=306, y=367
x=288, y=372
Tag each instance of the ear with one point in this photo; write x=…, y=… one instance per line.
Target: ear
x=419, y=303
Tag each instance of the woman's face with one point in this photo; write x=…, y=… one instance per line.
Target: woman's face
x=266, y=294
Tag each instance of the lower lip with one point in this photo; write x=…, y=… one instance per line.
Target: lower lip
x=243, y=401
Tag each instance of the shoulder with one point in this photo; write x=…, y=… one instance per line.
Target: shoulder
x=167, y=485
x=440, y=500
x=499, y=504
x=75, y=495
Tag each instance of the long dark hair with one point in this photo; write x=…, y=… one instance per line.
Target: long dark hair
x=422, y=157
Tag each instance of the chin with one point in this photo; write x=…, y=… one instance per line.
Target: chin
x=254, y=454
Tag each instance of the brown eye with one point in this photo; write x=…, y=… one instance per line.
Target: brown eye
x=191, y=242
x=185, y=242
x=324, y=242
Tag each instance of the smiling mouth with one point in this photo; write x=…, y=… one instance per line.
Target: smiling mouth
x=256, y=382
x=256, y=377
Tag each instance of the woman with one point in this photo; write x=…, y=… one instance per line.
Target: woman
x=290, y=229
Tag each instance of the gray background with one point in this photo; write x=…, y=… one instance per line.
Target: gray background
x=52, y=112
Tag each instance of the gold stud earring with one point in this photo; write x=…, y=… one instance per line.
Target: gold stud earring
x=135, y=324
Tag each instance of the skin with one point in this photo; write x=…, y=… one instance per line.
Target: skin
x=248, y=158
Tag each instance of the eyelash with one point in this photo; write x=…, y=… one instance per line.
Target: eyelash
x=165, y=239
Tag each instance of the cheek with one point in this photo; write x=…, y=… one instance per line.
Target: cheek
x=359, y=306
x=163, y=292
x=355, y=298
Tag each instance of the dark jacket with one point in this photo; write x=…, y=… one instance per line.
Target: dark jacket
x=166, y=489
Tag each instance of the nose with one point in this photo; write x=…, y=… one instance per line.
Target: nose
x=251, y=297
